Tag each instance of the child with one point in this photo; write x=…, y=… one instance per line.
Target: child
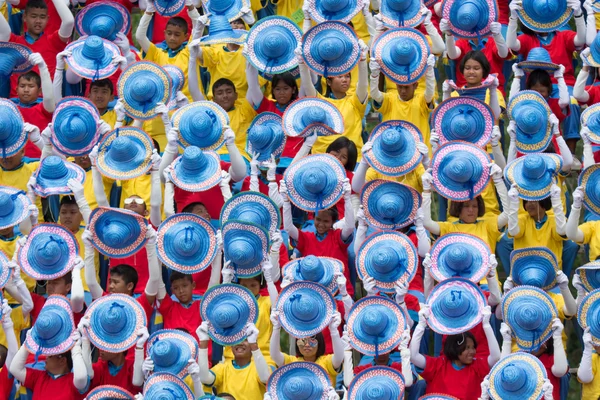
x=9, y=351
x=588, y=368
x=588, y=232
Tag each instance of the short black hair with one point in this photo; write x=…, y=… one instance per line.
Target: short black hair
x=545, y=203
x=31, y=4
x=223, y=82
x=156, y=145
x=67, y=200
x=289, y=80
x=238, y=21
x=259, y=278
x=320, y=345
x=31, y=76
x=176, y=275
x=344, y=143
x=539, y=76
x=190, y=207
x=478, y=56
x=103, y=83
x=456, y=344
x=68, y=278
x=127, y=273
x=457, y=206
x=333, y=211
x=178, y=22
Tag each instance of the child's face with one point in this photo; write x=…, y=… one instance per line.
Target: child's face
x=83, y=161
x=70, y=217
x=323, y=222
x=36, y=20
x=58, y=286
x=466, y=357
x=339, y=83
x=341, y=155
x=100, y=96
x=10, y=163
x=469, y=212
x=238, y=24
x=183, y=289
x=225, y=96
x=56, y=365
x=282, y=93
x=136, y=204
x=116, y=284
x=201, y=211
x=407, y=92
x=175, y=36
x=242, y=350
x=27, y=90
x=251, y=284
x=473, y=73
x=308, y=347
x=535, y=210
x=541, y=89
x=106, y=356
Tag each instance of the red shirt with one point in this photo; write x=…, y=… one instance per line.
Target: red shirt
x=292, y=145
x=490, y=50
x=327, y=335
x=503, y=11
x=6, y=383
x=548, y=361
x=38, y=116
x=395, y=365
x=123, y=378
x=38, y=304
x=443, y=378
x=262, y=186
x=139, y=261
x=159, y=24
x=594, y=93
x=42, y=384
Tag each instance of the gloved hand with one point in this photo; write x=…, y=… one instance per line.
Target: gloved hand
x=562, y=280
x=148, y=366
x=424, y=314
x=427, y=13
x=555, y=191
x=202, y=331
x=514, y=6
x=162, y=110
x=299, y=54
x=283, y=191
x=557, y=328
x=495, y=171
x=431, y=62
x=254, y=170
x=401, y=289
x=251, y=333
x=310, y=140
x=578, y=197
x=487, y=315
x=120, y=110
x=364, y=50
x=336, y=321
x=495, y=28
x=558, y=74
x=123, y=42
x=427, y=180
x=512, y=130
x=366, y=148
x=271, y=165
x=584, y=56
x=172, y=138
x=445, y=27
x=360, y=216
x=7, y=322
x=193, y=369
x=33, y=132
x=150, y=236
x=575, y=5
x=275, y=319
x=37, y=60
x=369, y=285
x=495, y=139
x=587, y=338
x=374, y=67
x=229, y=135
x=508, y=285
x=517, y=71
x=267, y=270
x=47, y=135
x=505, y=332
x=227, y=272
x=585, y=135
x=143, y=335
x=61, y=59
x=76, y=187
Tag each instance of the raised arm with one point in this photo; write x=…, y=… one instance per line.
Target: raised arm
x=77, y=295
x=590, y=34
x=513, y=211
x=288, y=220
x=494, y=356
x=348, y=227
x=570, y=307
x=306, y=84
x=511, y=34
x=497, y=148
x=206, y=377
x=67, y=21
x=193, y=84
x=432, y=226
x=452, y=49
x=275, y=345
x=48, y=100
x=238, y=165
x=155, y=276
x=260, y=363
x=362, y=86
x=437, y=43
x=573, y=232
x=155, y=191
x=254, y=95
x=579, y=92
x=497, y=177
x=336, y=341
x=416, y=357
x=90, y=268
x=142, y=29
x=585, y=373
x=97, y=182
x=580, y=28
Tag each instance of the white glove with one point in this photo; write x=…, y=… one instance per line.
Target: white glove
x=577, y=284
x=578, y=197
x=495, y=28
x=446, y=88
x=431, y=61
x=505, y=332
x=424, y=314
x=559, y=72
x=332, y=394
x=194, y=45
x=401, y=289
x=254, y=164
x=34, y=212
x=374, y=67
x=555, y=124
x=202, y=331
x=119, y=109
x=275, y=319
x=181, y=99
x=76, y=187
x=155, y=160
x=555, y=191
x=37, y=59
x=103, y=128
x=251, y=333
x=336, y=321
x=585, y=132
x=172, y=137
x=341, y=281
x=419, y=217
x=148, y=366
x=119, y=60
x=427, y=180
x=229, y=135
x=369, y=285
x=487, y=314
x=150, y=6
x=227, y=272
x=422, y=148
x=84, y=325
x=150, y=236
x=427, y=13
x=347, y=188
x=514, y=6
x=512, y=130
x=276, y=241
x=508, y=285
x=366, y=148
x=123, y=43
x=360, y=216
x=162, y=110
x=493, y=265
x=167, y=173
x=587, y=6
x=445, y=27
x=379, y=25
x=283, y=190
x=267, y=270
x=364, y=50
x=583, y=55
x=575, y=5
x=298, y=53
x=495, y=139
x=60, y=59
x=587, y=337
x=557, y=328
x=547, y=388
x=495, y=171
x=7, y=322
x=32, y=131
x=143, y=335
x=271, y=165
x=517, y=71
x=310, y=140
x=47, y=134
x=193, y=369
x=562, y=280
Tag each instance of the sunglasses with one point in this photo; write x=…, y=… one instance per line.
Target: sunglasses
x=310, y=342
x=137, y=201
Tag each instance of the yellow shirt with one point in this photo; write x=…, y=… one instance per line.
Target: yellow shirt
x=486, y=229
x=181, y=60
x=156, y=130
x=264, y=326
x=291, y=9
x=224, y=63
x=140, y=186
x=490, y=201
x=19, y=323
x=323, y=361
x=88, y=189
x=412, y=179
x=591, y=236
x=240, y=118
x=110, y=117
x=18, y=179
x=591, y=391
x=241, y=383
x=546, y=236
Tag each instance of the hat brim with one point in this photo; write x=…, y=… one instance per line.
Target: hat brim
x=530, y=366
x=169, y=8
x=480, y=252
x=411, y=17
x=260, y=32
x=478, y=92
x=45, y=187
x=530, y=143
x=5, y=271
x=207, y=179
x=16, y=124
x=264, y=210
x=277, y=142
x=136, y=166
x=589, y=179
x=313, y=376
x=188, y=349
x=135, y=224
x=232, y=13
x=169, y=383
x=536, y=189
x=377, y=379
x=66, y=109
x=20, y=52
x=294, y=127
x=332, y=266
x=235, y=36
x=146, y=71
x=450, y=10
x=587, y=315
x=592, y=124
x=319, y=14
x=481, y=115
x=114, y=10
x=177, y=83
x=534, y=257
x=61, y=343
x=590, y=275
x=530, y=66
x=109, y=392
x=20, y=210
x=259, y=243
x=184, y=116
x=400, y=209
x=560, y=19
x=92, y=69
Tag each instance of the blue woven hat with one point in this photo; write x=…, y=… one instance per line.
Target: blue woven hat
x=246, y=245
x=231, y=9
x=470, y=19
x=171, y=350
x=463, y=118
x=389, y=204
x=394, y=151
x=228, y=308
x=587, y=315
x=308, y=115
x=186, y=243
x=75, y=126
x=104, y=19
x=271, y=43
x=377, y=383
x=534, y=175
x=116, y=232
x=109, y=392
x=299, y=380
x=517, y=376
x=53, y=174
x=169, y=8
x=333, y=10
x=92, y=57
x=295, y=72
x=534, y=266
x=590, y=118
x=436, y=396
x=14, y=58
x=544, y=15
x=320, y=270
x=593, y=59
x=529, y=313
x=201, y=124
x=402, y=54
x=14, y=205
x=305, y=308
x=266, y=136
x=142, y=85
x=388, y=257
x=221, y=32
x=460, y=171
x=165, y=386
x=252, y=207
x=196, y=170
x=125, y=153
x=49, y=252
x=375, y=325
x=590, y=180
x=331, y=48
x=459, y=255
x=401, y=13
x=177, y=82
x=538, y=58
x=590, y=275
x=114, y=322
x=5, y=271
x=12, y=135
x=315, y=182
x=51, y=334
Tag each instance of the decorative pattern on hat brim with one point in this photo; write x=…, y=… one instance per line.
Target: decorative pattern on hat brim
x=53, y=175
x=298, y=379
x=330, y=120
x=534, y=266
x=183, y=119
x=186, y=243
x=169, y=8
x=468, y=256
x=389, y=204
x=5, y=271
x=247, y=260
x=129, y=231
x=14, y=206
x=587, y=315
x=331, y=265
x=590, y=275
x=529, y=313
x=436, y=396
x=221, y=305
x=92, y=69
x=530, y=142
x=114, y=11
x=411, y=16
x=482, y=27
x=462, y=156
x=277, y=139
x=166, y=386
x=21, y=55
x=51, y=334
x=114, y=322
x=590, y=60
x=535, y=188
x=49, y=252
x=590, y=117
x=253, y=207
x=526, y=375
x=324, y=172
x=387, y=382
x=305, y=308
x=134, y=81
x=201, y=182
x=177, y=83
x=125, y=159
x=295, y=72
x=109, y=392
x=375, y=325
x=530, y=66
x=557, y=17
x=343, y=11
x=238, y=36
x=396, y=162
x=463, y=118
x=589, y=179
x=232, y=9
x=389, y=257
x=179, y=346
x=78, y=140
x=12, y=134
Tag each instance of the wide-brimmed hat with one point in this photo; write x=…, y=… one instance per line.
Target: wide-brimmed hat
x=315, y=182
x=221, y=32
x=171, y=350
x=165, y=386
x=232, y=9
x=463, y=118
x=333, y=10
x=544, y=16
x=14, y=58
x=201, y=124
x=104, y=19
x=388, y=257
x=116, y=232
x=436, y=396
x=12, y=135
x=533, y=128
x=538, y=58
x=402, y=54
x=141, y=86
x=266, y=136
x=593, y=58
x=460, y=171
x=533, y=174
x=14, y=206
x=401, y=13
x=456, y=306
x=321, y=270
x=125, y=153
x=590, y=275
x=169, y=8
x=53, y=174
x=590, y=180
x=271, y=43
x=529, y=313
x=177, y=83
x=459, y=255
x=75, y=126
x=299, y=380
x=470, y=19
x=186, y=243
x=252, y=207
x=590, y=117
x=114, y=322
x=587, y=315
x=109, y=392
x=51, y=334
x=534, y=266
x=196, y=170
x=305, y=308
x=517, y=376
x=246, y=245
x=49, y=252
x=308, y=115
x=92, y=57
x=228, y=308
x=381, y=383
x=5, y=270
x=375, y=325
x=389, y=204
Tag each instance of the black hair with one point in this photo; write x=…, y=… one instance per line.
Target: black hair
x=178, y=22
x=289, y=80
x=223, y=82
x=344, y=143
x=333, y=211
x=67, y=200
x=238, y=21
x=478, y=56
x=68, y=278
x=31, y=76
x=539, y=76
x=329, y=91
x=259, y=278
x=3, y=354
x=103, y=83
x=320, y=345
x=190, y=207
x=457, y=206
x=182, y=330
x=456, y=344
x=156, y=145
x=127, y=273
x=525, y=30
x=176, y=275
x=31, y=4
x=546, y=203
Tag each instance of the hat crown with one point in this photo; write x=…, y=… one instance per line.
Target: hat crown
x=375, y=323
x=468, y=16
x=455, y=303
x=315, y=180
x=530, y=120
x=545, y=7
x=314, y=115
x=300, y=388
x=122, y=149
x=114, y=318
x=389, y=205
x=533, y=275
x=392, y=141
x=459, y=258
x=260, y=136
x=115, y=233
x=225, y=316
x=539, y=54
x=93, y=48
x=462, y=125
x=103, y=26
x=311, y=268
x=193, y=159
x=333, y=6
x=403, y=51
x=51, y=251
x=48, y=325
x=201, y=124
x=529, y=318
x=143, y=90
x=275, y=45
x=7, y=204
x=460, y=169
x=302, y=307
x=7, y=64
x=534, y=167
x=74, y=128
x=219, y=23
x=220, y=6
x=513, y=378
x=399, y=5
x=386, y=259
x=53, y=167
x=240, y=251
x=165, y=353
x=331, y=48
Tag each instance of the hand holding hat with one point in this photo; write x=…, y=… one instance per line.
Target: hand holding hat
x=360, y=216
x=143, y=335
x=558, y=74
x=32, y=131
x=341, y=281
x=557, y=329
x=585, y=135
x=508, y=285
x=493, y=265
x=562, y=280
x=578, y=197
x=426, y=12
x=445, y=27
x=575, y=5
x=298, y=53
x=369, y=285
x=424, y=314
x=228, y=135
x=587, y=340
x=37, y=60
x=227, y=272
x=275, y=320
x=202, y=331
x=495, y=28
x=553, y=120
x=495, y=172
x=555, y=191
x=193, y=369
x=7, y=322
x=517, y=71
x=60, y=59
x=364, y=49
x=401, y=289
x=487, y=315
x=335, y=322
x=251, y=333
x=148, y=366
x=427, y=180
x=375, y=68
x=496, y=136
x=505, y=332
x=514, y=6
x=434, y=140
